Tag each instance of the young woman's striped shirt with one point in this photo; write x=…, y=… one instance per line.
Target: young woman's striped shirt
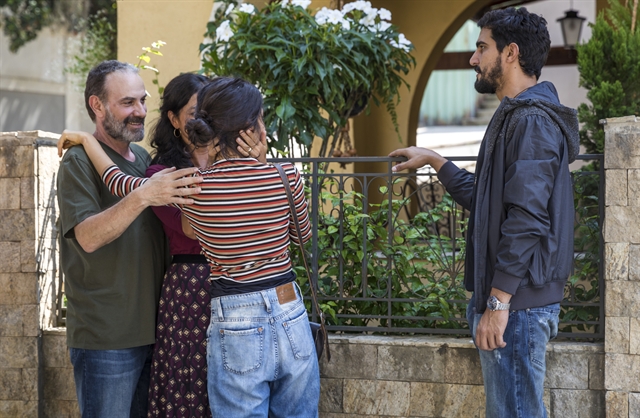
x=241, y=217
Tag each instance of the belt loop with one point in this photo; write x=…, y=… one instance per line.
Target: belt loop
x=218, y=309
x=267, y=304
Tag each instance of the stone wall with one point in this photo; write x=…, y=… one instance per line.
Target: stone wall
x=622, y=264
x=396, y=377
x=59, y=391
x=441, y=377
x=27, y=165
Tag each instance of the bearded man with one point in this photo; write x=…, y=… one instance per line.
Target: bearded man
x=113, y=250
x=520, y=232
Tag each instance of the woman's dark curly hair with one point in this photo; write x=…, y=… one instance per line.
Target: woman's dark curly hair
x=527, y=30
x=225, y=107
x=170, y=150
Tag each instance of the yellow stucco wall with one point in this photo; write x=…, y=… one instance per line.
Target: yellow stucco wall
x=179, y=23
x=429, y=24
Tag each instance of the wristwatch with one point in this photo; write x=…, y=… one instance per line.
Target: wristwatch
x=494, y=304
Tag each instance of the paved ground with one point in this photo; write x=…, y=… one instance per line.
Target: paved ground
x=452, y=141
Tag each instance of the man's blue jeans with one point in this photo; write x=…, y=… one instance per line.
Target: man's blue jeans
x=261, y=358
x=112, y=383
x=514, y=375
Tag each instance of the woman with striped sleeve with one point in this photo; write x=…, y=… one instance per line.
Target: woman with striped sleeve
x=178, y=387
x=261, y=357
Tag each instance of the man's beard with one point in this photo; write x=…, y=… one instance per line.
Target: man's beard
x=120, y=131
x=489, y=83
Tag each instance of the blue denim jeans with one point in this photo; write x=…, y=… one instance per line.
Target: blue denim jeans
x=261, y=358
x=112, y=383
x=514, y=375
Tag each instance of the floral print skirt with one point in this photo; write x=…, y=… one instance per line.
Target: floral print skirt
x=179, y=369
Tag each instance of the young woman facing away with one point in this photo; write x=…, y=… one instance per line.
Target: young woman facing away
x=260, y=354
x=178, y=385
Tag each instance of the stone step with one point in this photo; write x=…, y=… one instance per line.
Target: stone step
x=486, y=114
x=489, y=101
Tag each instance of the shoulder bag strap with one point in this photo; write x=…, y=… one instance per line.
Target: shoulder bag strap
x=294, y=215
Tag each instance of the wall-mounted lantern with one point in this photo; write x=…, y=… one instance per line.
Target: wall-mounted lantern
x=571, y=25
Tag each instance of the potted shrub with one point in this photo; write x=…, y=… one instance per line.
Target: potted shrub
x=315, y=69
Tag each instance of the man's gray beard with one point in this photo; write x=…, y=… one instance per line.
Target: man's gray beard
x=118, y=130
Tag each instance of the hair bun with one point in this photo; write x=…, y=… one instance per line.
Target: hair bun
x=199, y=131
x=204, y=116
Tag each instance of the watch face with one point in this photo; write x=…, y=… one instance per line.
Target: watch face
x=492, y=303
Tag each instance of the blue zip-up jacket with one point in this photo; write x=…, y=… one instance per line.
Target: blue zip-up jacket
x=520, y=237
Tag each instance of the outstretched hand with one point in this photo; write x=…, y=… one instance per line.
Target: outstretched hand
x=417, y=157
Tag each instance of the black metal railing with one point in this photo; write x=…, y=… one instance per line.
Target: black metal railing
x=387, y=251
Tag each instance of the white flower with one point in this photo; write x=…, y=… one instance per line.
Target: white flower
x=302, y=3
x=247, y=8
x=284, y=3
x=322, y=16
x=403, y=43
x=362, y=5
x=370, y=18
x=333, y=17
x=224, y=32
x=380, y=27
x=384, y=14
x=229, y=9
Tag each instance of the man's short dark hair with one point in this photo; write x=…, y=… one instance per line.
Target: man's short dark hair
x=97, y=78
x=527, y=30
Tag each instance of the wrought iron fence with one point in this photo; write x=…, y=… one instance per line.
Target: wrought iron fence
x=387, y=251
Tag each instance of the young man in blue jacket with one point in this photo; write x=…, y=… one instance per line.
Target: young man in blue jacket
x=520, y=232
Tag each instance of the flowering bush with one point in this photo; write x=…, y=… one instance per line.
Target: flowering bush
x=314, y=70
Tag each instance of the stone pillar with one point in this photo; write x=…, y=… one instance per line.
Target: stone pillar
x=28, y=163
x=622, y=266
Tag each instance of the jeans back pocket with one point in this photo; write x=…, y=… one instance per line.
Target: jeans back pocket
x=242, y=350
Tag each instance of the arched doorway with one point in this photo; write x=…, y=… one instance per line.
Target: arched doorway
x=430, y=25
x=453, y=116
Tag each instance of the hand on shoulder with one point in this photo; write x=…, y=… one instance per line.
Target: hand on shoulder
x=69, y=139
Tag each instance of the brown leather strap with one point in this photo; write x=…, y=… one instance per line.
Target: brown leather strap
x=294, y=215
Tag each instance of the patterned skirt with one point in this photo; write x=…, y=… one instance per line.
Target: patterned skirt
x=179, y=369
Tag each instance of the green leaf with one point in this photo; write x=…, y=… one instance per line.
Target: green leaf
x=285, y=110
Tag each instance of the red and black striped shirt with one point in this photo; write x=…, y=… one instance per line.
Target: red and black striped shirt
x=241, y=217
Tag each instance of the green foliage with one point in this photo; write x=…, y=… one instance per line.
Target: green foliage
x=609, y=65
x=98, y=44
x=377, y=270
x=145, y=61
x=584, y=287
x=369, y=252
x=312, y=69
x=22, y=20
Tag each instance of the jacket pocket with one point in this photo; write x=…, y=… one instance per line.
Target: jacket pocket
x=538, y=274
